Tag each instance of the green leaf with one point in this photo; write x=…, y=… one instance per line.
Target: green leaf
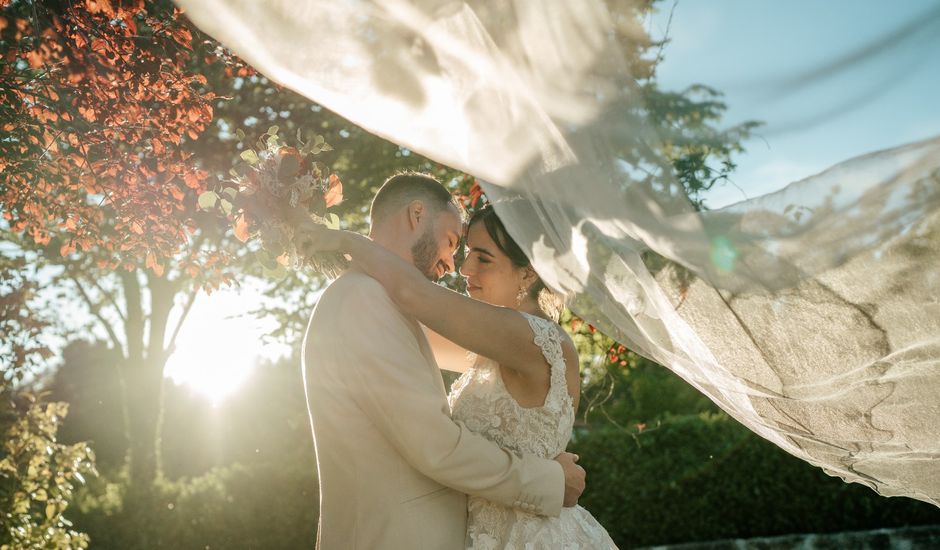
x=231, y=192
x=51, y=510
x=240, y=134
x=208, y=199
x=226, y=206
x=250, y=156
x=332, y=221
x=272, y=130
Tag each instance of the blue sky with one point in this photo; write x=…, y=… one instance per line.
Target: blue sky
x=753, y=50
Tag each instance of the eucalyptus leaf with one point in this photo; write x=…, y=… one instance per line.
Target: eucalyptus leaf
x=250, y=156
x=208, y=199
x=226, y=206
x=273, y=130
x=332, y=221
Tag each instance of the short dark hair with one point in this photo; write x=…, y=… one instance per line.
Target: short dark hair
x=404, y=187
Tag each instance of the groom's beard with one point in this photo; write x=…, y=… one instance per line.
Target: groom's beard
x=424, y=254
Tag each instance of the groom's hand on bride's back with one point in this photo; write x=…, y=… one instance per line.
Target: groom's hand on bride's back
x=574, y=477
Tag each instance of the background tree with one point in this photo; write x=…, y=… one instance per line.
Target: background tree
x=99, y=105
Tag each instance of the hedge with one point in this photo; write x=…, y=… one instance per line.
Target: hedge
x=239, y=507
x=706, y=477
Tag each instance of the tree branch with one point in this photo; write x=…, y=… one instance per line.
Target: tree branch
x=110, y=297
x=96, y=311
x=190, y=300
x=198, y=241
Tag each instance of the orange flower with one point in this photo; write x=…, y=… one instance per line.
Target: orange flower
x=334, y=194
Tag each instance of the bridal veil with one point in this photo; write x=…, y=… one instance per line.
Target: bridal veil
x=811, y=315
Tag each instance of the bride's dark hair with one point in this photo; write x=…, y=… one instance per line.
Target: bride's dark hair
x=549, y=303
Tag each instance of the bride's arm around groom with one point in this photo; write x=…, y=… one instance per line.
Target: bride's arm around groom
x=393, y=465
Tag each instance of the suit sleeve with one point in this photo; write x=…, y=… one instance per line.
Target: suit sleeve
x=392, y=384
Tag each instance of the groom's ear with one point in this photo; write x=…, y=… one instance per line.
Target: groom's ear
x=415, y=211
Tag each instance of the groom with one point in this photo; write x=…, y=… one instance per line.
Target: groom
x=394, y=467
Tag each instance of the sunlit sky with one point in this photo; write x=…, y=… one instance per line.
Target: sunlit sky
x=220, y=343
x=751, y=51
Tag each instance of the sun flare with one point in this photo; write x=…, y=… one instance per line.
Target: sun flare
x=218, y=348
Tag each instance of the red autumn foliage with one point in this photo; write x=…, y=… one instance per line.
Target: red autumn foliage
x=98, y=102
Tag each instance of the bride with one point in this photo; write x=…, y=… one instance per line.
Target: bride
x=521, y=391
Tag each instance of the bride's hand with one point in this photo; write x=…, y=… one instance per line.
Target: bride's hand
x=311, y=237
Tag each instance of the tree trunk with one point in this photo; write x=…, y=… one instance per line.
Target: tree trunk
x=143, y=372
x=144, y=388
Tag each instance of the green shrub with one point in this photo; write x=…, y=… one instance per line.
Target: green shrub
x=706, y=477
x=38, y=476
x=38, y=473
x=261, y=506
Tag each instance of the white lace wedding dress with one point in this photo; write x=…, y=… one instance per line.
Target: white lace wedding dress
x=481, y=401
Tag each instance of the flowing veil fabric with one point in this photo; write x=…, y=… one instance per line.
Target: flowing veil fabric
x=811, y=315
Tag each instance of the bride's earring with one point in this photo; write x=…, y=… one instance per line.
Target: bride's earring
x=520, y=296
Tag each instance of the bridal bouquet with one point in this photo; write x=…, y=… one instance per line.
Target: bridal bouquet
x=271, y=191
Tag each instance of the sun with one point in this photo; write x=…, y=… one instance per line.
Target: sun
x=219, y=346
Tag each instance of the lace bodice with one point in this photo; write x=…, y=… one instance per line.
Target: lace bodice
x=480, y=400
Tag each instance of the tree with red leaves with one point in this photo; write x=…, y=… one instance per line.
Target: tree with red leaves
x=117, y=117
x=101, y=105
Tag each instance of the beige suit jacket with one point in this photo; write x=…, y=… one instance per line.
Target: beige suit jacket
x=393, y=466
